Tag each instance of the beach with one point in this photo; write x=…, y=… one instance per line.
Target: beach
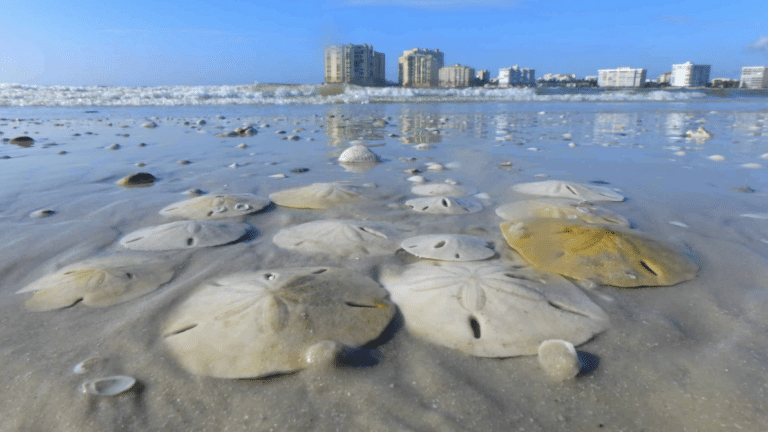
x=687, y=357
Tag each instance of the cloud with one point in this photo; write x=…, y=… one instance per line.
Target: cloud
x=761, y=44
x=433, y=4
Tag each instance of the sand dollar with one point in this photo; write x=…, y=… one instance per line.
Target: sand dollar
x=210, y=207
x=449, y=247
x=442, y=189
x=249, y=325
x=185, y=235
x=561, y=189
x=339, y=237
x=608, y=255
x=444, y=205
x=560, y=209
x=490, y=310
x=316, y=196
x=98, y=282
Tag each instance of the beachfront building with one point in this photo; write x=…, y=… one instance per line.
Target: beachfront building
x=456, y=76
x=690, y=75
x=621, y=77
x=420, y=67
x=515, y=76
x=483, y=77
x=754, y=77
x=354, y=64
x=725, y=83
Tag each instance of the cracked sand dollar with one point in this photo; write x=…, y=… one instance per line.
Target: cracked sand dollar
x=608, y=255
x=98, y=282
x=339, y=237
x=185, y=235
x=211, y=207
x=358, y=154
x=560, y=209
x=449, y=247
x=561, y=189
x=250, y=325
x=491, y=310
x=444, y=205
x=442, y=189
x=318, y=196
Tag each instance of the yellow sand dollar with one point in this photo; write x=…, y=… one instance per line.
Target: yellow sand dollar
x=608, y=255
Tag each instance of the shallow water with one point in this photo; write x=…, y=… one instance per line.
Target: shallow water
x=689, y=357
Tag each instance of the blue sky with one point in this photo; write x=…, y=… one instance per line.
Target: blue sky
x=141, y=42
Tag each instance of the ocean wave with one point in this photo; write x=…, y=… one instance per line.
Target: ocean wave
x=275, y=94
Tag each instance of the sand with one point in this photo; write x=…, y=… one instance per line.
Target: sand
x=689, y=357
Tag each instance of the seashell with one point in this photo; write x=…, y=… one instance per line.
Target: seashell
x=211, y=207
x=250, y=325
x=185, y=235
x=442, y=189
x=138, y=179
x=561, y=189
x=560, y=209
x=109, y=386
x=448, y=247
x=87, y=365
x=316, y=196
x=609, y=255
x=444, y=205
x=490, y=310
x=559, y=359
x=358, y=154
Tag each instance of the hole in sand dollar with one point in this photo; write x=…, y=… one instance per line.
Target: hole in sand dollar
x=263, y=325
x=439, y=300
x=439, y=244
x=444, y=205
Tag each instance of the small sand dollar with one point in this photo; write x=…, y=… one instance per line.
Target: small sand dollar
x=491, y=310
x=561, y=189
x=316, y=196
x=609, y=255
x=448, y=247
x=444, y=205
x=109, y=386
x=559, y=359
x=185, y=235
x=358, y=154
x=442, y=189
x=560, y=209
x=98, y=282
x=250, y=325
x=339, y=237
x=211, y=207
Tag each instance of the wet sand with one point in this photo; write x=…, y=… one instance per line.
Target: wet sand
x=687, y=357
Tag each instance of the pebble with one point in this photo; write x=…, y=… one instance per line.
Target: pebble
x=242, y=146
x=417, y=179
x=300, y=170
x=201, y=122
x=573, y=144
x=62, y=152
x=24, y=140
x=142, y=144
x=141, y=164
x=559, y=360
x=114, y=147
x=184, y=162
x=293, y=137
x=193, y=192
x=149, y=125
x=42, y=213
x=235, y=165
x=278, y=175
x=434, y=166
x=137, y=179
x=506, y=164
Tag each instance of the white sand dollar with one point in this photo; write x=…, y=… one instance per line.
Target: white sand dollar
x=559, y=359
x=448, y=247
x=444, y=205
x=442, y=189
x=185, y=235
x=561, y=189
x=316, y=196
x=109, y=386
x=358, y=154
x=211, y=207
x=98, y=282
x=339, y=237
x=255, y=324
x=560, y=209
x=490, y=310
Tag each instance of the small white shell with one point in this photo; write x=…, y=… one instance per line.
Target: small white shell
x=357, y=154
x=559, y=360
x=109, y=386
x=86, y=365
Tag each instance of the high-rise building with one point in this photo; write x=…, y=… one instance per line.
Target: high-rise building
x=456, y=76
x=420, y=68
x=621, y=77
x=512, y=76
x=483, y=77
x=754, y=77
x=354, y=64
x=690, y=75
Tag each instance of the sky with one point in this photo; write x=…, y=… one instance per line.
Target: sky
x=157, y=42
